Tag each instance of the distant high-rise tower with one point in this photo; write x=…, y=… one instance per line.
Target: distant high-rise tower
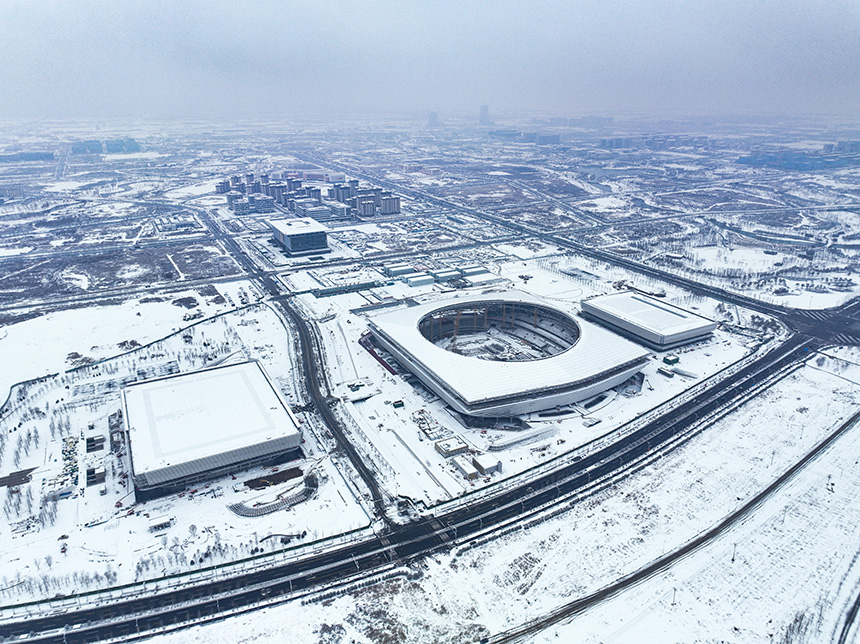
x=484, y=116
x=434, y=119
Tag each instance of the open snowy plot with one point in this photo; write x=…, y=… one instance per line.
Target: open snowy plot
x=17, y=250
x=790, y=556
x=65, y=186
x=527, y=250
x=56, y=341
x=752, y=260
x=787, y=277
x=195, y=190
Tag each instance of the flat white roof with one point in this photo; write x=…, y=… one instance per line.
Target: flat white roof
x=484, y=277
x=649, y=313
x=297, y=226
x=475, y=379
x=186, y=417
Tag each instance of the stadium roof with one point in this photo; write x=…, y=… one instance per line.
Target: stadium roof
x=592, y=357
x=183, y=424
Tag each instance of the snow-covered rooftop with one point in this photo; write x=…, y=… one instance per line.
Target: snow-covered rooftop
x=649, y=313
x=181, y=419
x=297, y=226
x=595, y=354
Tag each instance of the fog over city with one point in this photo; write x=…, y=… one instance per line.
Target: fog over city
x=180, y=59
x=399, y=322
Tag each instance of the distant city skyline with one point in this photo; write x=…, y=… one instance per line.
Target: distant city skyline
x=195, y=59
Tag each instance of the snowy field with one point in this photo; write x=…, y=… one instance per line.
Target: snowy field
x=46, y=344
x=794, y=558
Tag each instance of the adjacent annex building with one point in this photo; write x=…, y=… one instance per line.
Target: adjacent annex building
x=506, y=354
x=187, y=428
x=656, y=324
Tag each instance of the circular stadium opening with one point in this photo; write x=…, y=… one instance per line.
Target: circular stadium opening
x=501, y=330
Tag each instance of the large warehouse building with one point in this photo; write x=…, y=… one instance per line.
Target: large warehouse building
x=192, y=427
x=506, y=354
x=655, y=324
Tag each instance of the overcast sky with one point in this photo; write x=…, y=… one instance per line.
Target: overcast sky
x=184, y=58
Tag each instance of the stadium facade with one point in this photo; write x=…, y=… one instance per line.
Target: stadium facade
x=188, y=428
x=506, y=354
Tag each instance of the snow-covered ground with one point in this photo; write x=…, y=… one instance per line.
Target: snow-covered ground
x=794, y=558
x=196, y=190
x=43, y=345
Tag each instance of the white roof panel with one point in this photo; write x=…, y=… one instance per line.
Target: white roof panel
x=192, y=416
x=651, y=314
x=297, y=226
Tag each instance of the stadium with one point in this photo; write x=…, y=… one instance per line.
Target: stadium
x=506, y=354
x=187, y=428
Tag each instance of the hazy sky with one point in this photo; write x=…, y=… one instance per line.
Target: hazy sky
x=186, y=58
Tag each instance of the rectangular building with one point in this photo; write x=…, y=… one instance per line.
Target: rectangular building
x=418, y=279
x=465, y=467
x=445, y=275
x=482, y=279
x=339, y=210
x=452, y=447
x=389, y=204
x=656, y=324
x=187, y=428
x=487, y=464
x=396, y=270
x=300, y=236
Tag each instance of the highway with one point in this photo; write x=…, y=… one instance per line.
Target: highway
x=309, y=357
x=582, y=603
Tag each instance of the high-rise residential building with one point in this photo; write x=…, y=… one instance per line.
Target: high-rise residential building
x=484, y=115
x=365, y=206
x=341, y=192
x=371, y=193
x=390, y=204
x=433, y=119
